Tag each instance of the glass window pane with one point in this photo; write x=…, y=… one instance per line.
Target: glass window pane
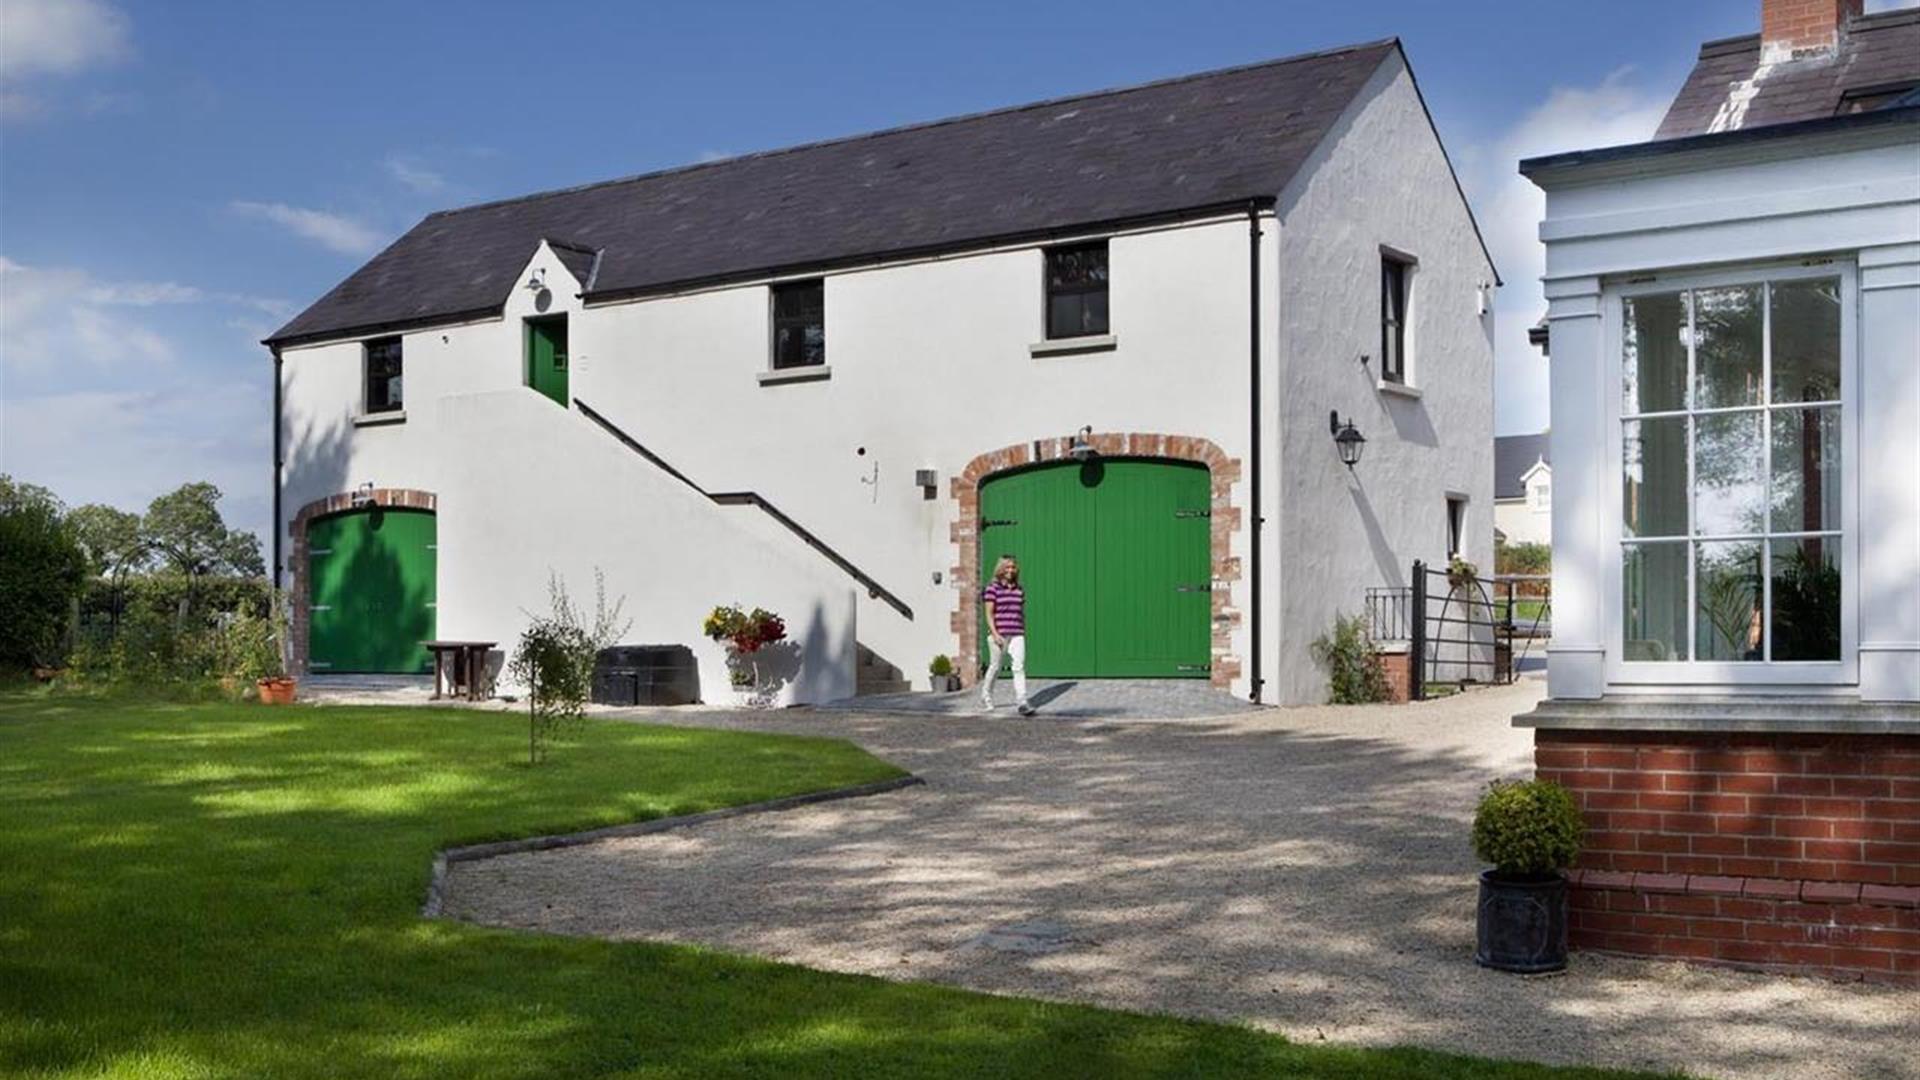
x=1806, y=599
x=1655, y=587
x=1727, y=595
x=1806, y=469
x=1727, y=327
x=1729, y=475
x=1806, y=340
x=1654, y=484
x=1656, y=352
x=1063, y=316
x=1094, y=316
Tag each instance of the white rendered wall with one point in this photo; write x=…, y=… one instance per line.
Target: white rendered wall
x=1844, y=200
x=528, y=490
x=1523, y=522
x=1380, y=180
x=930, y=367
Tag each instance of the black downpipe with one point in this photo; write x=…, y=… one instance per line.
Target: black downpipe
x=278, y=463
x=1253, y=443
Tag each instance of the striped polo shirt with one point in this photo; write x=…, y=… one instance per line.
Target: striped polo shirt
x=1009, y=608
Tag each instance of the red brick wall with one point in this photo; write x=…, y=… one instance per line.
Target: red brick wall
x=1790, y=851
x=1799, y=25
x=1398, y=667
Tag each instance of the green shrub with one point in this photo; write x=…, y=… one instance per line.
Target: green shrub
x=41, y=572
x=1525, y=558
x=941, y=666
x=1527, y=828
x=1355, y=675
x=555, y=659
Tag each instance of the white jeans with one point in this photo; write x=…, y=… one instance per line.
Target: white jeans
x=1016, y=651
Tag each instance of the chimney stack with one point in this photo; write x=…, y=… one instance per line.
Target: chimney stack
x=1790, y=29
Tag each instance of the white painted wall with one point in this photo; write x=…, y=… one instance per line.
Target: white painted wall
x=930, y=365
x=534, y=490
x=1853, y=200
x=1380, y=180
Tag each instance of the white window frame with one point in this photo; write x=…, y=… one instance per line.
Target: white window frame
x=1744, y=673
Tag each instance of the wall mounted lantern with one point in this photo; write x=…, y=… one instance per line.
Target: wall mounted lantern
x=362, y=495
x=537, y=280
x=1082, y=447
x=1345, y=439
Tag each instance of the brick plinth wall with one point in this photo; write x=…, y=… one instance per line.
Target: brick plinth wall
x=299, y=597
x=1225, y=521
x=1398, y=667
x=1793, y=852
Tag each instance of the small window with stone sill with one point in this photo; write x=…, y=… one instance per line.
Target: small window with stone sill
x=1077, y=291
x=1396, y=281
x=383, y=377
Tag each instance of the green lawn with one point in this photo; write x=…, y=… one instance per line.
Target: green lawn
x=229, y=890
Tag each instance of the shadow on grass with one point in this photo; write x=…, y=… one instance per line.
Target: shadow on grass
x=223, y=889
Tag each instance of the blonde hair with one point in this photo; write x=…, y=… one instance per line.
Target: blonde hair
x=1001, y=568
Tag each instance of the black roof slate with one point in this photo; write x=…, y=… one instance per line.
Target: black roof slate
x=1513, y=455
x=1874, y=52
x=1208, y=141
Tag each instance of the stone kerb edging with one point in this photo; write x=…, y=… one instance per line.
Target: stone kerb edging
x=436, y=885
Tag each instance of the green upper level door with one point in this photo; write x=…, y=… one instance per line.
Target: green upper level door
x=1116, y=559
x=547, y=358
x=372, y=575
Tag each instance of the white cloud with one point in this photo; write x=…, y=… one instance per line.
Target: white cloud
x=1618, y=110
x=59, y=37
x=52, y=317
x=1890, y=5
x=412, y=173
x=713, y=155
x=336, y=232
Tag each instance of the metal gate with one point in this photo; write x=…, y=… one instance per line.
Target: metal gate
x=1466, y=629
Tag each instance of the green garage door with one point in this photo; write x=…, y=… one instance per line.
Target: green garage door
x=1116, y=559
x=372, y=574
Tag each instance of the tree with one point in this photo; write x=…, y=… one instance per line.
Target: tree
x=41, y=575
x=185, y=529
x=113, y=544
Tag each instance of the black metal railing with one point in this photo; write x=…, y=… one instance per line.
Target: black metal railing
x=875, y=590
x=1390, y=613
x=1465, y=627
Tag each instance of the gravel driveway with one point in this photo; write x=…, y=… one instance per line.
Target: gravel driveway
x=1302, y=870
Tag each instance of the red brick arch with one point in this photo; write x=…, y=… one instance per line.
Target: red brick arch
x=1222, y=470
x=297, y=563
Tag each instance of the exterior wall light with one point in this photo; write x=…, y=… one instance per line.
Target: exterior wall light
x=363, y=495
x=537, y=280
x=1082, y=447
x=1345, y=439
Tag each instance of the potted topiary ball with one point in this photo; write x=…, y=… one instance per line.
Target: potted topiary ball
x=1530, y=831
x=940, y=674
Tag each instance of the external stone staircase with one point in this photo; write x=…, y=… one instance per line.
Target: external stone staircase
x=874, y=675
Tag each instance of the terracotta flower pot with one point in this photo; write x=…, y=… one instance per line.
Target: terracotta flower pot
x=276, y=691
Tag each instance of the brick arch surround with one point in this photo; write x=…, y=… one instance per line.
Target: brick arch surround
x=298, y=563
x=1223, y=473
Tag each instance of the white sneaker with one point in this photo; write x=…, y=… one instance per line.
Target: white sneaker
x=1025, y=709
x=986, y=704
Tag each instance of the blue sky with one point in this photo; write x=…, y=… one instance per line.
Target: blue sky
x=178, y=178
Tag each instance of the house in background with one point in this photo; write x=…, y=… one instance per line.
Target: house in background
x=1522, y=490
x=1104, y=333
x=1735, y=672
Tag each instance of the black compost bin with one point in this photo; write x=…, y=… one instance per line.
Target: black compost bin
x=646, y=675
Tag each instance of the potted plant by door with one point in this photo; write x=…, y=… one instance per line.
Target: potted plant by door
x=1530, y=831
x=259, y=644
x=940, y=678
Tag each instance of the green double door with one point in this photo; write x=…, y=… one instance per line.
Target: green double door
x=1116, y=559
x=372, y=592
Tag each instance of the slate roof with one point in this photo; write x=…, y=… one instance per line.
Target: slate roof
x=1513, y=455
x=1203, y=142
x=1875, y=53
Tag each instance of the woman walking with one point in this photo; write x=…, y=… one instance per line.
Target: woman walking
x=1006, y=604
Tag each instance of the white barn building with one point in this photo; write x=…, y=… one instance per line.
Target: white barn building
x=834, y=380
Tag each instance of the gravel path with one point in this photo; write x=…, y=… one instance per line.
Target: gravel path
x=1302, y=870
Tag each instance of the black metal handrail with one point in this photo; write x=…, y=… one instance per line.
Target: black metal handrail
x=875, y=590
x=1477, y=616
